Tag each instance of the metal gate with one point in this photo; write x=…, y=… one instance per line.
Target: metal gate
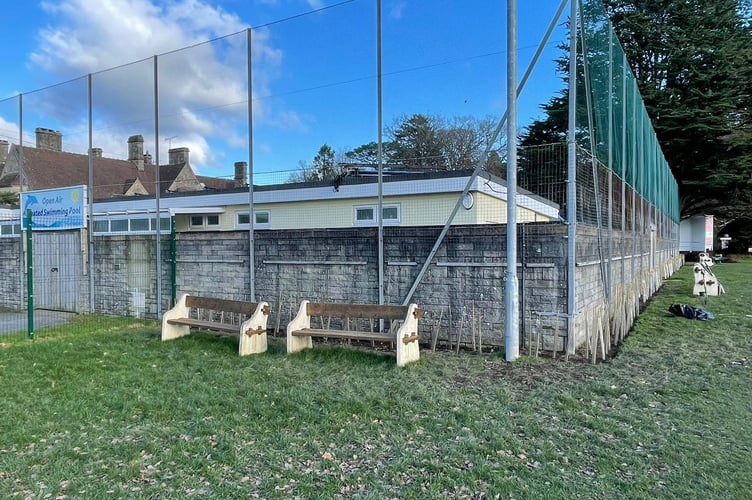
x=57, y=270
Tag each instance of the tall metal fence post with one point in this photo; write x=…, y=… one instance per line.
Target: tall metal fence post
x=173, y=262
x=29, y=276
x=90, y=197
x=380, y=154
x=571, y=181
x=512, y=297
x=610, y=218
x=157, y=188
x=21, y=180
x=251, y=172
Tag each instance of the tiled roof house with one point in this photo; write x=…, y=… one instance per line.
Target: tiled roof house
x=47, y=166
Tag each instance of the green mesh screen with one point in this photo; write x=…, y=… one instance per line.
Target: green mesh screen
x=623, y=136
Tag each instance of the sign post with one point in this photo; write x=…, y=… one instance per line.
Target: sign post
x=29, y=276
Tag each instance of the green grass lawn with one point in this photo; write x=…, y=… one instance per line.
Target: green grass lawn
x=104, y=409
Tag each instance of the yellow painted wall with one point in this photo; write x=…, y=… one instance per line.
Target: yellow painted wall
x=415, y=210
x=491, y=210
x=424, y=210
x=226, y=222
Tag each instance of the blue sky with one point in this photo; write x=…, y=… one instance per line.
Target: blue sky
x=314, y=73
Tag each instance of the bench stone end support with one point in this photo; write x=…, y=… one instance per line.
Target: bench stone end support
x=301, y=321
x=706, y=282
x=170, y=331
x=253, y=331
x=408, y=349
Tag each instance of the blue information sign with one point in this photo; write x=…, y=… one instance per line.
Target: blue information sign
x=52, y=209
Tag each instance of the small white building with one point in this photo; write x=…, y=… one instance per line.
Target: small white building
x=408, y=200
x=696, y=234
x=415, y=199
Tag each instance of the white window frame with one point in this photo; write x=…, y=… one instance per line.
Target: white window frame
x=364, y=222
x=262, y=225
x=205, y=225
x=242, y=225
x=109, y=219
x=375, y=208
x=212, y=224
x=396, y=221
x=142, y=219
x=191, y=223
x=14, y=225
x=257, y=224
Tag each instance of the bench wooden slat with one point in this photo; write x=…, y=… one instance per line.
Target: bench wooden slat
x=206, y=325
x=344, y=334
x=405, y=338
x=233, y=306
x=357, y=310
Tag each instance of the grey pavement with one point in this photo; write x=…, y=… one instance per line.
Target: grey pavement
x=11, y=322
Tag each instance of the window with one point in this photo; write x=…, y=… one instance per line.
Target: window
x=365, y=215
x=164, y=224
x=118, y=224
x=204, y=221
x=139, y=225
x=390, y=214
x=9, y=229
x=262, y=220
x=101, y=226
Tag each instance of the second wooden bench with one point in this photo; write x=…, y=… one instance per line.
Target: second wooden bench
x=405, y=337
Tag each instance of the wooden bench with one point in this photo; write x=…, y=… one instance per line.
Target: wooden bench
x=246, y=320
x=300, y=333
x=705, y=259
x=706, y=282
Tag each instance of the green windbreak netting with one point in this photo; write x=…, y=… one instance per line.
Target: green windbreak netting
x=622, y=138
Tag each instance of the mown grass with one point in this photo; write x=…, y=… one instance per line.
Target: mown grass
x=104, y=409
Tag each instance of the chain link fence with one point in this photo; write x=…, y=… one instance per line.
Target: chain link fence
x=192, y=186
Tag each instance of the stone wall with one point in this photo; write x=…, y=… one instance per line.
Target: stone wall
x=463, y=290
x=12, y=277
x=464, y=287
x=125, y=281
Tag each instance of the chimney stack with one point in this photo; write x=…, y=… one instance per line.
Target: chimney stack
x=240, y=173
x=48, y=139
x=136, y=151
x=178, y=155
x=147, y=158
x=4, y=146
x=96, y=152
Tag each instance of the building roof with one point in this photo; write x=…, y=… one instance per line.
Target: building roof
x=46, y=169
x=216, y=183
x=351, y=187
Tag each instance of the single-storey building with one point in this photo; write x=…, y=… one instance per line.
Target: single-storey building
x=413, y=200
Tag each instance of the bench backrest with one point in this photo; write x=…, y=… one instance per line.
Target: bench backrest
x=232, y=306
x=370, y=311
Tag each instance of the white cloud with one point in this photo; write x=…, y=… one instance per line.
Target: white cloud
x=397, y=9
x=8, y=130
x=289, y=121
x=313, y=4
x=202, y=88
